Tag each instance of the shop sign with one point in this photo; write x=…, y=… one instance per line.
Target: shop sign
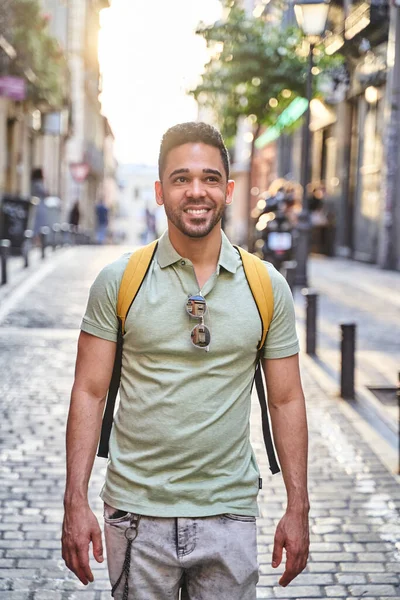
x=294, y=111
x=13, y=88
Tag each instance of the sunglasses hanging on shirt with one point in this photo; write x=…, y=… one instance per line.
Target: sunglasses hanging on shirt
x=196, y=307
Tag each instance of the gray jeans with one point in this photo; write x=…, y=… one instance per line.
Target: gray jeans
x=209, y=558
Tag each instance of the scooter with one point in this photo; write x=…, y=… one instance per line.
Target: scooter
x=276, y=231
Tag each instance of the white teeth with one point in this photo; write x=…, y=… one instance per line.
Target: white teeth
x=193, y=211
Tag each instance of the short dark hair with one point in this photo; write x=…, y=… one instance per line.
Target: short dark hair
x=191, y=133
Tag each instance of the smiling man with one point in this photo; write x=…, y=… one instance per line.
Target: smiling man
x=180, y=496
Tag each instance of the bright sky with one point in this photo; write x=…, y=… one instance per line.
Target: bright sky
x=150, y=56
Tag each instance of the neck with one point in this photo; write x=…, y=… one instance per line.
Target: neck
x=202, y=252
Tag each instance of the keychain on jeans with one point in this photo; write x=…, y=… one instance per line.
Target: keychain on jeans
x=131, y=535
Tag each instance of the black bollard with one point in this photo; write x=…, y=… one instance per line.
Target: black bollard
x=398, y=413
x=56, y=228
x=311, y=320
x=73, y=234
x=65, y=233
x=44, y=237
x=5, y=246
x=289, y=272
x=348, y=349
x=26, y=246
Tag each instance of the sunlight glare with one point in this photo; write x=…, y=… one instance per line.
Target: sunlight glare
x=150, y=56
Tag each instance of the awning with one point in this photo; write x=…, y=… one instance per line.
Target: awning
x=321, y=116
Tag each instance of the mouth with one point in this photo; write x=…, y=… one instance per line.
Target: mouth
x=196, y=212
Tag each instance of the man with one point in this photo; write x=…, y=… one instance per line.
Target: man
x=181, y=487
x=38, y=189
x=101, y=222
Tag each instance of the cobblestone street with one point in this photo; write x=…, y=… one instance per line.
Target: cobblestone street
x=355, y=499
x=351, y=292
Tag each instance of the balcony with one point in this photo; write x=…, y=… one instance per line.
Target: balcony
x=369, y=19
x=353, y=24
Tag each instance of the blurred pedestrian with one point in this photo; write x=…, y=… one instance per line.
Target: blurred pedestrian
x=39, y=191
x=150, y=219
x=319, y=219
x=101, y=222
x=74, y=214
x=316, y=200
x=180, y=496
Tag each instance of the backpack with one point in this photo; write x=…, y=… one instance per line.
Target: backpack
x=135, y=272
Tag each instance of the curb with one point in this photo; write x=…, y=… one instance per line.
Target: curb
x=27, y=279
x=385, y=451
x=18, y=275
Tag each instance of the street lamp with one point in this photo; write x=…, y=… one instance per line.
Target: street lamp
x=311, y=17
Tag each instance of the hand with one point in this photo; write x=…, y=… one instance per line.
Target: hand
x=80, y=527
x=293, y=535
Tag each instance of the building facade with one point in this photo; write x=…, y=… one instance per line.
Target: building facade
x=33, y=124
x=355, y=132
x=85, y=145
x=348, y=151
x=57, y=133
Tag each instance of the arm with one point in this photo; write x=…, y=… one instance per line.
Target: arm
x=289, y=425
x=93, y=371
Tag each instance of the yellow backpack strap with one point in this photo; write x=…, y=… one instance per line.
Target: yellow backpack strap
x=261, y=287
x=135, y=272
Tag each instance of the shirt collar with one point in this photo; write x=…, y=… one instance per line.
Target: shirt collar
x=166, y=253
x=229, y=258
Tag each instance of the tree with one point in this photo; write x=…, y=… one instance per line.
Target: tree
x=39, y=59
x=257, y=69
x=5, y=12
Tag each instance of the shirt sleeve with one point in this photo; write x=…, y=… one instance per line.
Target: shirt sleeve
x=100, y=318
x=282, y=340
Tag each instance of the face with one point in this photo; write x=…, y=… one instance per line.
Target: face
x=194, y=189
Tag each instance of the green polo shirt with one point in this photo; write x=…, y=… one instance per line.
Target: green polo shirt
x=180, y=443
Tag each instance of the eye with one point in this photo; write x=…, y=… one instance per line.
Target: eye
x=212, y=179
x=180, y=179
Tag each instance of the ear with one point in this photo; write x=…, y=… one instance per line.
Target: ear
x=159, y=193
x=230, y=186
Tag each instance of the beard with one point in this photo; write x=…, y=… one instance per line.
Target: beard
x=198, y=226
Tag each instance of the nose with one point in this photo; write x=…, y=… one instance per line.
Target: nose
x=196, y=189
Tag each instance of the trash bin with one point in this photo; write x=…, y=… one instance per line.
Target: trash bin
x=17, y=214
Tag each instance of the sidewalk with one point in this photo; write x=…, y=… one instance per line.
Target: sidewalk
x=355, y=499
x=17, y=273
x=351, y=292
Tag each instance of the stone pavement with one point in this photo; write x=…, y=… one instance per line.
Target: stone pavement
x=355, y=500
x=17, y=273
x=365, y=295
x=351, y=292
